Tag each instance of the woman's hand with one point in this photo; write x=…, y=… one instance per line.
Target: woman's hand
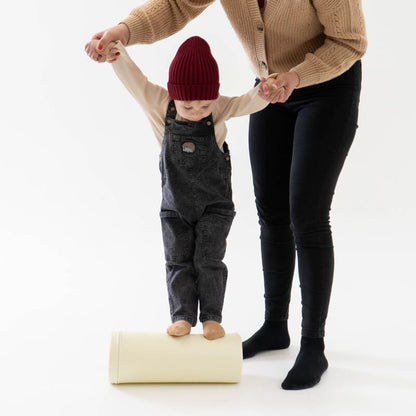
x=112, y=51
x=278, y=89
x=100, y=47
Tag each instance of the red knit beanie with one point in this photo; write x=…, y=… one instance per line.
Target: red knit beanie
x=193, y=73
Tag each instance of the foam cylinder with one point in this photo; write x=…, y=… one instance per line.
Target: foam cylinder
x=159, y=358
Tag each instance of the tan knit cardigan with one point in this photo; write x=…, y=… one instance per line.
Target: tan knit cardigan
x=319, y=39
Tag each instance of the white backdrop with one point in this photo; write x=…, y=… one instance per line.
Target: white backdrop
x=80, y=243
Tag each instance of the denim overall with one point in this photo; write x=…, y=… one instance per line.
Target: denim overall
x=196, y=215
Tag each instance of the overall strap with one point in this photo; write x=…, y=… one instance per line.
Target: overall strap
x=170, y=112
x=207, y=122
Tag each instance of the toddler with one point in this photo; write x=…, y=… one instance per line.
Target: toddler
x=197, y=209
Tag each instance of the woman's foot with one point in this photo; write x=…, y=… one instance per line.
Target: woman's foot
x=179, y=329
x=212, y=330
x=271, y=336
x=309, y=366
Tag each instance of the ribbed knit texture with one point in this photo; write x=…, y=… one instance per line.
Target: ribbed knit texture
x=193, y=73
x=319, y=39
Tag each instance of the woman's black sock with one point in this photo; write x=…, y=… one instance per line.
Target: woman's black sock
x=271, y=336
x=309, y=366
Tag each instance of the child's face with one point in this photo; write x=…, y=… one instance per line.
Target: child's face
x=194, y=110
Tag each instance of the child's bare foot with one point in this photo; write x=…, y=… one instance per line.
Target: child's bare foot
x=212, y=330
x=179, y=329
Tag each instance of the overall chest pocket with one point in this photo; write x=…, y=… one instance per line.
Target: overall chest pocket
x=188, y=151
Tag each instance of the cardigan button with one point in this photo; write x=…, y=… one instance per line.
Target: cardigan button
x=260, y=28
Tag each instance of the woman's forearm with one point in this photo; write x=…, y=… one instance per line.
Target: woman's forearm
x=159, y=19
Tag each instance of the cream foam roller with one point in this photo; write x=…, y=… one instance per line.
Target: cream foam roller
x=159, y=358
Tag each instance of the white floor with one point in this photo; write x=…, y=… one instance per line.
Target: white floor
x=57, y=320
x=80, y=245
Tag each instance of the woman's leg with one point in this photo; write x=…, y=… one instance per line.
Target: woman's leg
x=270, y=144
x=325, y=129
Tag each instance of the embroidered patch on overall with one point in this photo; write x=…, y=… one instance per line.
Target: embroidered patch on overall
x=188, y=147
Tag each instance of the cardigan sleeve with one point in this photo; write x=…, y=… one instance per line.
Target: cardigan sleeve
x=345, y=41
x=158, y=19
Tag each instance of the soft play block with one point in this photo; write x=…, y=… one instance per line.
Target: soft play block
x=159, y=358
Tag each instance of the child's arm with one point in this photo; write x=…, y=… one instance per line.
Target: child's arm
x=149, y=96
x=248, y=103
x=152, y=98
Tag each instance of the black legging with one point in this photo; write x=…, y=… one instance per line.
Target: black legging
x=297, y=150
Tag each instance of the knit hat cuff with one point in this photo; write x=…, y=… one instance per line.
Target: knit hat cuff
x=193, y=92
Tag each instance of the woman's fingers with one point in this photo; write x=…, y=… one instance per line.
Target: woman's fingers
x=108, y=55
x=278, y=89
x=113, y=34
x=92, y=52
x=271, y=90
x=112, y=54
x=276, y=95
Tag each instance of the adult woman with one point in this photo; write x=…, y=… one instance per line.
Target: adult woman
x=298, y=144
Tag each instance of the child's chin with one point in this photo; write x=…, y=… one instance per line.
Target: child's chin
x=193, y=120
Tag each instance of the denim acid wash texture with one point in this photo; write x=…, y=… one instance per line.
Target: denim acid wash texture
x=196, y=215
x=297, y=151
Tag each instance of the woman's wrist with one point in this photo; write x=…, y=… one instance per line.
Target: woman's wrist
x=124, y=33
x=295, y=78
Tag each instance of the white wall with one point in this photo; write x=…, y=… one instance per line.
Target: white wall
x=80, y=241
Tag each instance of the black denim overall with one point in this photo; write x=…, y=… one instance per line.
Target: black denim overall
x=196, y=214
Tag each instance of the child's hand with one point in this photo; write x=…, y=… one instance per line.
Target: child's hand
x=278, y=89
x=101, y=52
x=109, y=55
